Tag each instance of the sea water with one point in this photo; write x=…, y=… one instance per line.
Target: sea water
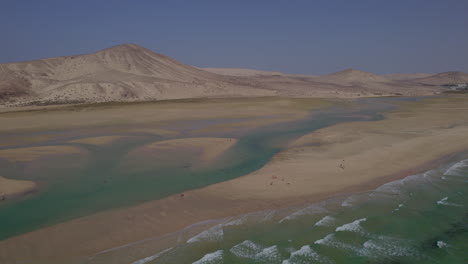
x=422, y=218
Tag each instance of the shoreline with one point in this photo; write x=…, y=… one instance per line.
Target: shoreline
x=353, y=190
x=110, y=229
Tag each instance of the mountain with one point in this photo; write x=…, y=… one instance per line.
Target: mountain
x=132, y=73
x=122, y=73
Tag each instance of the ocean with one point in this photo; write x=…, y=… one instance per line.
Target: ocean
x=422, y=218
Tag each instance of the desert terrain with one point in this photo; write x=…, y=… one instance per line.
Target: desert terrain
x=129, y=72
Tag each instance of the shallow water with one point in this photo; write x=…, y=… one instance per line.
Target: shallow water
x=420, y=219
x=72, y=187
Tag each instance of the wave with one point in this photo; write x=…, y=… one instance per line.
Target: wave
x=326, y=221
x=310, y=210
x=331, y=241
x=215, y=233
x=216, y=257
x=385, y=248
x=354, y=226
x=457, y=169
x=441, y=244
x=151, y=258
x=269, y=255
x=246, y=249
x=304, y=255
x=443, y=201
x=251, y=250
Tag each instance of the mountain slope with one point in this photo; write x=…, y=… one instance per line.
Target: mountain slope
x=132, y=73
x=351, y=76
x=121, y=73
x=444, y=78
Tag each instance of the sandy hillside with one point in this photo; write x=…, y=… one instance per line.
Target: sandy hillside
x=407, y=76
x=132, y=73
x=121, y=73
x=444, y=78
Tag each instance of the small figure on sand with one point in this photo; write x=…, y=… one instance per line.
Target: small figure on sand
x=341, y=165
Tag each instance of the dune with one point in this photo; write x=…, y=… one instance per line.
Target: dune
x=10, y=187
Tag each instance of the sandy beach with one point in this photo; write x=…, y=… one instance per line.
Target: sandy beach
x=348, y=157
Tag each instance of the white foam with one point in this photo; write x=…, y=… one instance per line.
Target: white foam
x=441, y=244
x=384, y=247
x=246, y=249
x=398, y=208
x=236, y=222
x=269, y=255
x=215, y=233
x=326, y=221
x=251, y=250
x=443, y=201
x=457, y=168
x=150, y=258
x=304, y=255
x=354, y=226
x=347, y=202
x=211, y=258
x=310, y=210
x=331, y=241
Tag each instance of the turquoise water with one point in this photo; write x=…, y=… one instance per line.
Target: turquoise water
x=72, y=187
x=420, y=219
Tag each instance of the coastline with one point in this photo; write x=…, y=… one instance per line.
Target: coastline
x=118, y=227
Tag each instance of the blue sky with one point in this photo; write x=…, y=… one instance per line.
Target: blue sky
x=304, y=37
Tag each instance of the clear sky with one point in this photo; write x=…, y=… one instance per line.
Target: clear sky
x=296, y=36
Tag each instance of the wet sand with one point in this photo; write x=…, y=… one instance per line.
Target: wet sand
x=348, y=157
x=9, y=187
x=35, y=153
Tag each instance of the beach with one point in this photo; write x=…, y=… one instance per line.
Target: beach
x=347, y=157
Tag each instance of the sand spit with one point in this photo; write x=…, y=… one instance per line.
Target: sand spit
x=355, y=156
x=330, y=159
x=131, y=115
x=102, y=140
x=34, y=153
x=207, y=149
x=9, y=187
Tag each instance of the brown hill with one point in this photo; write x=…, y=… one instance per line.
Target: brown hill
x=444, y=78
x=351, y=76
x=406, y=76
x=132, y=73
x=121, y=73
